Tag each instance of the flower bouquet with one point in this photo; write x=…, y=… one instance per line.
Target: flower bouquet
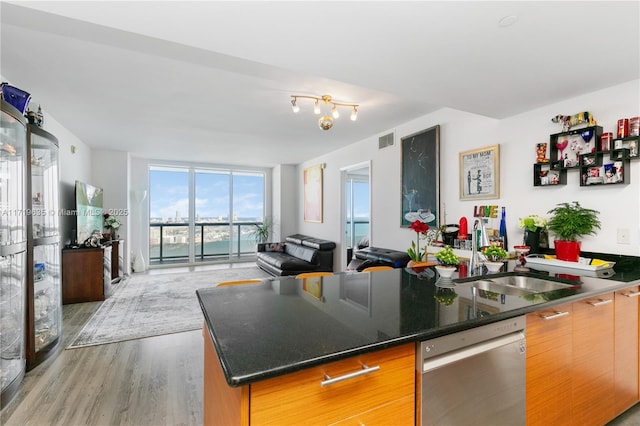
x=535, y=231
x=112, y=224
x=532, y=222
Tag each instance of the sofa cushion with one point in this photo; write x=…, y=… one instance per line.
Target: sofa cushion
x=316, y=243
x=279, y=247
x=295, y=238
x=283, y=261
x=319, y=244
x=305, y=253
x=395, y=258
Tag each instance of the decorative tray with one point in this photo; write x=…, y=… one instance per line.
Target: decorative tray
x=584, y=264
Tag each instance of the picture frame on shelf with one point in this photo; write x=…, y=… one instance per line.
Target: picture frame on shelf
x=480, y=173
x=420, y=163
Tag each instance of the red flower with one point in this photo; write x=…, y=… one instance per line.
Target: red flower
x=419, y=227
x=414, y=251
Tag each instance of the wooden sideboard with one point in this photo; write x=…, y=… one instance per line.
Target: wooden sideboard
x=86, y=274
x=117, y=260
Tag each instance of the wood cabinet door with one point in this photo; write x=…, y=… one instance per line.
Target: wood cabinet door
x=626, y=349
x=299, y=398
x=592, y=369
x=549, y=357
x=82, y=275
x=222, y=404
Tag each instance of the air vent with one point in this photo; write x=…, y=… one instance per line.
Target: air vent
x=385, y=141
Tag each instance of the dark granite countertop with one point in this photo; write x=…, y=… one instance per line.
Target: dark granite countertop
x=283, y=325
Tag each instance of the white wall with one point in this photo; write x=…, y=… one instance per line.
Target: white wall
x=285, y=205
x=75, y=164
x=109, y=172
x=619, y=205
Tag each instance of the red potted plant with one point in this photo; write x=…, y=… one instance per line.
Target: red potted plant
x=570, y=221
x=415, y=254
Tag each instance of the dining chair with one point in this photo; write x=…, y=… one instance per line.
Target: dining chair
x=251, y=281
x=314, y=274
x=376, y=268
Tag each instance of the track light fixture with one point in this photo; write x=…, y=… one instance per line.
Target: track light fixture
x=326, y=121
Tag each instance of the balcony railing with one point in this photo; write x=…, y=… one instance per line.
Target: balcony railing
x=359, y=229
x=169, y=242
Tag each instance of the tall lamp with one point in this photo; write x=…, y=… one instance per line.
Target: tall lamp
x=139, y=264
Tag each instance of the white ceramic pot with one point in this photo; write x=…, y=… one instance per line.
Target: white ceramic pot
x=445, y=271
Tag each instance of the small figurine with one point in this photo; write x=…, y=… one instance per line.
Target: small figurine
x=541, y=153
x=39, y=117
x=568, y=121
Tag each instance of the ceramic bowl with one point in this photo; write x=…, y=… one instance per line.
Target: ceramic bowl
x=445, y=271
x=493, y=266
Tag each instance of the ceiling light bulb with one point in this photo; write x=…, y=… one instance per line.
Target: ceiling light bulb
x=334, y=112
x=316, y=107
x=354, y=114
x=325, y=122
x=294, y=105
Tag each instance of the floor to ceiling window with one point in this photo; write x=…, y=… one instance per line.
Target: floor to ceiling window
x=200, y=214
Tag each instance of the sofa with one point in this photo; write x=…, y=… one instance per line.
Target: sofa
x=296, y=254
x=376, y=256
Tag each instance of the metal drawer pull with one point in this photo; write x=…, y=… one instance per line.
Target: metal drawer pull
x=601, y=302
x=557, y=314
x=365, y=370
x=634, y=294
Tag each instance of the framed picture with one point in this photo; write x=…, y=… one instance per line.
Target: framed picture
x=313, y=194
x=421, y=177
x=480, y=173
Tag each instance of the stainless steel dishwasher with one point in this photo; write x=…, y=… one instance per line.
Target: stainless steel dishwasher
x=475, y=377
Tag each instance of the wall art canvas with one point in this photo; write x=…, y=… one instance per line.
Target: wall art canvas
x=421, y=177
x=480, y=173
x=313, y=194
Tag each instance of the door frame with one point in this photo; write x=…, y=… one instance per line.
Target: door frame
x=344, y=171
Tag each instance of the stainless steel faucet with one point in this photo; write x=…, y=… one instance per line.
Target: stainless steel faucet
x=473, y=262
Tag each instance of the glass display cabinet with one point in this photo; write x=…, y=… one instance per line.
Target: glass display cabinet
x=44, y=289
x=13, y=249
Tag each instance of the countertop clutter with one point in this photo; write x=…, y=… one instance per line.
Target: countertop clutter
x=284, y=325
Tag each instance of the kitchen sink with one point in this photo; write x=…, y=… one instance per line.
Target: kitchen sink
x=517, y=285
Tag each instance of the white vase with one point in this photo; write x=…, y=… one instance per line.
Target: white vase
x=138, y=264
x=445, y=271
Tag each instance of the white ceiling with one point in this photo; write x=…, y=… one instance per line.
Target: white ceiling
x=210, y=81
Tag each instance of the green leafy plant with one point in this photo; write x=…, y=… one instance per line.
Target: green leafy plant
x=494, y=253
x=111, y=222
x=262, y=231
x=570, y=221
x=446, y=256
x=445, y=296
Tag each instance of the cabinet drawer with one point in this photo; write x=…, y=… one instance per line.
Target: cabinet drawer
x=397, y=413
x=299, y=397
x=549, y=329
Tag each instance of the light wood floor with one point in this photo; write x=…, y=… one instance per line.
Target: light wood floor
x=153, y=381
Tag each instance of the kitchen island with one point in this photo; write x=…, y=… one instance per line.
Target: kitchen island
x=259, y=335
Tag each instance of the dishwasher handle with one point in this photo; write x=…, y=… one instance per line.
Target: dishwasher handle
x=473, y=350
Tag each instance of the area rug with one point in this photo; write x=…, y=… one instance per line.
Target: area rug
x=153, y=305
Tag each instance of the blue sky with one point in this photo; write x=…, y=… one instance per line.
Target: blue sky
x=169, y=192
